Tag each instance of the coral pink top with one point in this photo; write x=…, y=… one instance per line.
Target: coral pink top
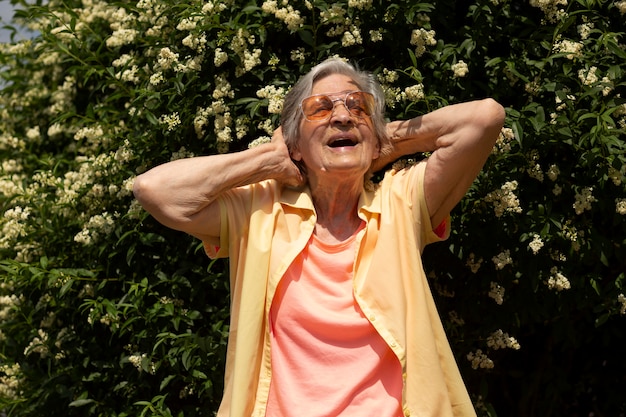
x=327, y=358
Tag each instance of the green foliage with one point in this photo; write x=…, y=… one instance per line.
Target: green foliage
x=104, y=312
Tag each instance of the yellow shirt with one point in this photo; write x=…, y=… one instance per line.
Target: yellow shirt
x=265, y=226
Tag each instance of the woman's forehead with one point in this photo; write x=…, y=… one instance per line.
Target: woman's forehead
x=334, y=84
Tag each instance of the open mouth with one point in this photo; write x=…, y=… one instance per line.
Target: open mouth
x=342, y=142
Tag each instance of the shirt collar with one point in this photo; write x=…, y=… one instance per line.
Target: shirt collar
x=300, y=198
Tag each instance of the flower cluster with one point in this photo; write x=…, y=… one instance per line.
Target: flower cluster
x=504, y=199
x=10, y=381
x=571, y=49
x=97, y=226
x=141, y=363
x=557, y=281
x=275, y=96
x=460, y=69
x=536, y=244
x=287, y=14
x=473, y=263
x=584, y=198
x=501, y=340
x=480, y=360
x=421, y=38
x=551, y=9
x=496, y=292
x=622, y=300
x=502, y=259
x=504, y=141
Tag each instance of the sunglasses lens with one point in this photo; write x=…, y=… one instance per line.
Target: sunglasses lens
x=360, y=104
x=317, y=107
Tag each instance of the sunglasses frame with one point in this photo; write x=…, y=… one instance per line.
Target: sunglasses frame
x=368, y=98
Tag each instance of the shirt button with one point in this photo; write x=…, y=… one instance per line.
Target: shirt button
x=372, y=318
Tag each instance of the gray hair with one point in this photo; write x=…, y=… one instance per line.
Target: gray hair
x=291, y=114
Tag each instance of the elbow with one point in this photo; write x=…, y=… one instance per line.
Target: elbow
x=139, y=188
x=494, y=113
x=146, y=192
x=492, y=116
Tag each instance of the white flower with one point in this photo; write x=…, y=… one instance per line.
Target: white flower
x=535, y=172
x=585, y=29
x=620, y=206
x=156, y=78
x=479, y=360
x=251, y=59
x=550, y=8
x=501, y=340
x=553, y=172
x=536, y=244
x=570, y=48
x=122, y=37
x=222, y=88
x=275, y=95
x=558, y=281
x=502, y=259
x=181, y=154
x=136, y=360
x=360, y=4
x=414, y=92
x=298, y=55
x=259, y=141
x=422, y=38
x=622, y=299
x=376, y=35
x=504, y=199
x=167, y=59
x=503, y=143
x=10, y=381
x=473, y=264
x=288, y=14
x=352, y=37
x=170, y=120
x=188, y=23
x=588, y=77
x=583, y=200
x=497, y=293
x=38, y=345
x=123, y=60
x=220, y=57
x=460, y=69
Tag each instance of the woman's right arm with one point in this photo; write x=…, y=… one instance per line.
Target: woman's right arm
x=182, y=194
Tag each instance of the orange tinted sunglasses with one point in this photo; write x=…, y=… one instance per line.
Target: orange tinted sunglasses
x=321, y=106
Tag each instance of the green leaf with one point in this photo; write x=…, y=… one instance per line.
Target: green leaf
x=81, y=403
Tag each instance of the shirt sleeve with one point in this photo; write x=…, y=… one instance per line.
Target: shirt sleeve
x=236, y=208
x=430, y=233
x=218, y=247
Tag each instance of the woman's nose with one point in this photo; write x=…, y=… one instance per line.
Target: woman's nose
x=340, y=113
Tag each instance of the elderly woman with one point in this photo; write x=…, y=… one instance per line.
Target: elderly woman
x=331, y=311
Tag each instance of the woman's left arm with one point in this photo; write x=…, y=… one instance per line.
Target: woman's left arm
x=460, y=137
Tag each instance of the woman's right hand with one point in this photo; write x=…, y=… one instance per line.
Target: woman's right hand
x=287, y=171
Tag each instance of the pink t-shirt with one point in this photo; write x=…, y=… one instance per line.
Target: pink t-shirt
x=327, y=358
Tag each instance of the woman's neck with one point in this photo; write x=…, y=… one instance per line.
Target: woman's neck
x=336, y=206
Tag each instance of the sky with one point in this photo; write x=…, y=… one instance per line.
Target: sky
x=6, y=13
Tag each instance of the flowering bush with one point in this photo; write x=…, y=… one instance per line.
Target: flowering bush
x=105, y=312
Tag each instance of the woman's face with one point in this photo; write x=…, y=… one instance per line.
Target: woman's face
x=342, y=144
